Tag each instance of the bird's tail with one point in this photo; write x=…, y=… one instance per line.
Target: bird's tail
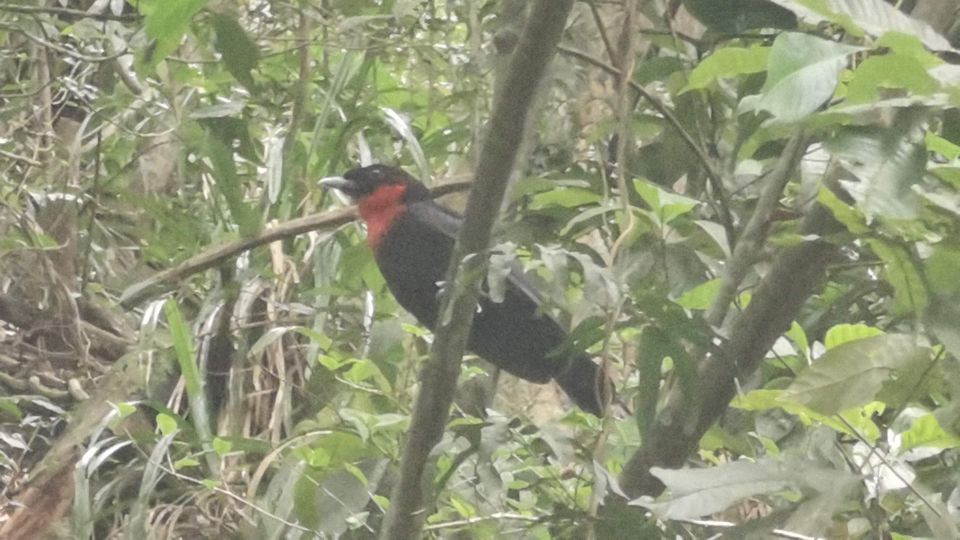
x=585, y=384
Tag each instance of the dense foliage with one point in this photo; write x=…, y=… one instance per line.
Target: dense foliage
x=196, y=342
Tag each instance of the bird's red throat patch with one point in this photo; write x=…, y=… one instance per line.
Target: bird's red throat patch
x=379, y=209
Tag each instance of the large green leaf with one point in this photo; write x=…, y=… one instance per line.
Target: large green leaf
x=877, y=73
x=887, y=162
x=694, y=493
x=852, y=374
x=874, y=17
x=802, y=75
x=727, y=62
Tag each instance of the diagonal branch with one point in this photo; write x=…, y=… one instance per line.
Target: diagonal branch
x=751, y=239
x=139, y=292
x=537, y=45
x=683, y=419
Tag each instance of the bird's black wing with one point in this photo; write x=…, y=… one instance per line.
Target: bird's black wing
x=513, y=334
x=449, y=222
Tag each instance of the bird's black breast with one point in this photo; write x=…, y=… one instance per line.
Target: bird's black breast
x=513, y=334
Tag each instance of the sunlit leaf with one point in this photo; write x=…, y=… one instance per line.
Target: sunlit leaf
x=802, y=75
x=727, y=62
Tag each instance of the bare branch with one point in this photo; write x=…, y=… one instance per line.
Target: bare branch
x=147, y=288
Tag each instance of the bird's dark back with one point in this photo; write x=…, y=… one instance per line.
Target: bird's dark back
x=513, y=334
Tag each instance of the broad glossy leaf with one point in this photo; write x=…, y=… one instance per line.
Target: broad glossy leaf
x=926, y=432
x=694, y=493
x=874, y=17
x=802, y=75
x=727, y=62
x=877, y=73
x=845, y=333
x=886, y=162
x=666, y=205
x=701, y=296
x=852, y=374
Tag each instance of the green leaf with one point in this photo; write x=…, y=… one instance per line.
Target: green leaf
x=701, y=296
x=694, y=493
x=239, y=52
x=860, y=420
x=908, y=44
x=845, y=333
x=666, y=205
x=887, y=162
x=166, y=424
x=889, y=71
x=910, y=292
x=874, y=17
x=563, y=197
x=802, y=75
x=221, y=446
x=327, y=502
x=727, y=62
x=124, y=409
x=851, y=375
x=851, y=218
x=799, y=337
x=186, y=358
x=9, y=406
x=941, y=271
x=183, y=463
x=926, y=432
x=938, y=144
x=166, y=22
x=221, y=156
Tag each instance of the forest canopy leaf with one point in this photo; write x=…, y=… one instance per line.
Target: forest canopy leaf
x=852, y=374
x=802, y=74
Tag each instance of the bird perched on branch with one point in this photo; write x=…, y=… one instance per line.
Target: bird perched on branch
x=412, y=239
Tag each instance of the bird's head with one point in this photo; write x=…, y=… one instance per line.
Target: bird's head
x=382, y=194
x=377, y=181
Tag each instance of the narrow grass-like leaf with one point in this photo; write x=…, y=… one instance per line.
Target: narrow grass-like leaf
x=186, y=358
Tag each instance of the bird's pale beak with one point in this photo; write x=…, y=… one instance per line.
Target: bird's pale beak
x=339, y=183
